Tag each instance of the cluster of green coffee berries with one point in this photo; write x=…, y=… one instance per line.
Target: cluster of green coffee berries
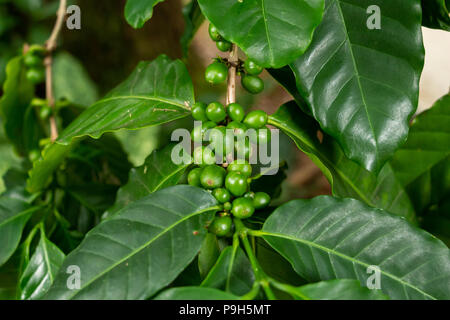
x=34, y=62
x=217, y=72
x=229, y=182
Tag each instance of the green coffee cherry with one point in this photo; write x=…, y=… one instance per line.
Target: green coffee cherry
x=252, y=68
x=227, y=206
x=35, y=75
x=34, y=155
x=239, y=129
x=216, y=73
x=242, y=167
x=204, y=156
x=244, y=149
x=216, y=112
x=199, y=111
x=194, y=177
x=243, y=208
x=198, y=133
x=263, y=136
x=221, y=226
x=212, y=177
x=223, y=45
x=236, y=112
x=236, y=183
x=222, y=195
x=261, y=200
x=45, y=112
x=33, y=60
x=256, y=119
x=214, y=33
x=250, y=195
x=252, y=84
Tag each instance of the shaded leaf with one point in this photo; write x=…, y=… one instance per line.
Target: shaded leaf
x=193, y=19
x=157, y=172
x=137, y=12
x=346, y=177
x=17, y=95
x=361, y=84
x=327, y=238
x=41, y=269
x=232, y=272
x=71, y=81
x=435, y=14
x=422, y=165
x=271, y=32
x=195, y=293
x=209, y=252
x=343, y=289
x=152, y=239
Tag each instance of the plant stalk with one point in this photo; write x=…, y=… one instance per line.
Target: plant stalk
x=50, y=45
x=231, y=87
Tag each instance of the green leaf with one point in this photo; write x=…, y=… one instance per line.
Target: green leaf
x=422, y=165
x=141, y=249
x=435, y=14
x=17, y=95
x=78, y=88
x=362, y=85
x=271, y=32
x=41, y=173
x=41, y=270
x=14, y=214
x=195, y=293
x=327, y=238
x=346, y=177
x=193, y=19
x=209, y=252
x=157, y=172
x=344, y=289
x=232, y=272
x=155, y=93
x=137, y=12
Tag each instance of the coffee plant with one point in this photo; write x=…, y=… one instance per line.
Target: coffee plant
x=199, y=219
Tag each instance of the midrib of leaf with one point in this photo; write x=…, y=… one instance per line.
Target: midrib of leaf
x=356, y=72
x=144, y=98
x=47, y=260
x=344, y=256
x=325, y=160
x=143, y=247
x=167, y=178
x=266, y=26
x=23, y=213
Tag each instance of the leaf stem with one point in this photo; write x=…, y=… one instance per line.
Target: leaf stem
x=260, y=275
x=50, y=45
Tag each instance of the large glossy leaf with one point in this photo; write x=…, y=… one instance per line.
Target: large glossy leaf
x=41, y=269
x=71, y=81
x=271, y=32
x=14, y=214
x=156, y=92
x=423, y=164
x=141, y=249
x=232, y=272
x=157, y=172
x=137, y=12
x=195, y=293
x=17, y=95
x=209, y=252
x=347, y=178
x=327, y=238
x=361, y=84
x=435, y=14
x=343, y=289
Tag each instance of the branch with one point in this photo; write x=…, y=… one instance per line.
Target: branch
x=50, y=45
x=234, y=61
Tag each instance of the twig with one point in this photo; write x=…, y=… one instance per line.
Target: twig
x=234, y=60
x=50, y=45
